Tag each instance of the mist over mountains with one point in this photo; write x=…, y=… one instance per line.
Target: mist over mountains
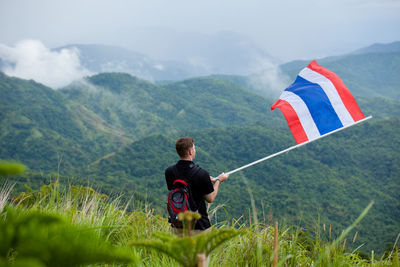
x=187, y=55
x=31, y=59
x=177, y=57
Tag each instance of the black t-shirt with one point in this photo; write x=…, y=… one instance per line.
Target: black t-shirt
x=200, y=184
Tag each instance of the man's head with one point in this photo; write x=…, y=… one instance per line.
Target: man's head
x=185, y=148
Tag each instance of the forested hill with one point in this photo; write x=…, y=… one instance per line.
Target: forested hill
x=42, y=128
x=142, y=108
x=47, y=129
x=77, y=125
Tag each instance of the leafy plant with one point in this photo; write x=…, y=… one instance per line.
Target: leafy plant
x=185, y=249
x=46, y=239
x=10, y=168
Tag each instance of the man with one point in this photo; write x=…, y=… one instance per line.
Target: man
x=201, y=182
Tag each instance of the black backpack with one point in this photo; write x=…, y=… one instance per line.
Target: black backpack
x=180, y=198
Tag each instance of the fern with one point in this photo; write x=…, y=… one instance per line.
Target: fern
x=185, y=249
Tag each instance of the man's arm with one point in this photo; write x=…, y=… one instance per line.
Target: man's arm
x=217, y=181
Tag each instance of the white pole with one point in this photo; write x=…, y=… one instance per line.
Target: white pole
x=296, y=146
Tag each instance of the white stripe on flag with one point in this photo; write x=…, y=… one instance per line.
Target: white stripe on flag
x=303, y=113
x=331, y=92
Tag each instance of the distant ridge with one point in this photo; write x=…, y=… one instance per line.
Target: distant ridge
x=185, y=56
x=100, y=58
x=370, y=72
x=379, y=48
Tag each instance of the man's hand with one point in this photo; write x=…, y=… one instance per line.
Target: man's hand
x=222, y=177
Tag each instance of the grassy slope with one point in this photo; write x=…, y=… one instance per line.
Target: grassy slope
x=99, y=231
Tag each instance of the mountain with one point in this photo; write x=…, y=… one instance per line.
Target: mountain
x=379, y=48
x=43, y=129
x=102, y=58
x=220, y=53
x=90, y=119
x=141, y=108
x=188, y=55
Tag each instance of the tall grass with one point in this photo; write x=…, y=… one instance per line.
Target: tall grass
x=121, y=225
x=5, y=191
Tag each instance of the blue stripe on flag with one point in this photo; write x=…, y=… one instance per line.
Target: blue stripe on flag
x=318, y=104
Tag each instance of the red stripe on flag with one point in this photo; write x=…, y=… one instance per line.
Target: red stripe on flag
x=292, y=119
x=344, y=93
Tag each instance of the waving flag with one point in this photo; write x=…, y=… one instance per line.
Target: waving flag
x=317, y=103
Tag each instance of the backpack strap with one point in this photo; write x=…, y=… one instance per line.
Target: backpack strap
x=180, y=179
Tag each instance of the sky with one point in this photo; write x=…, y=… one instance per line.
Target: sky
x=286, y=29
x=172, y=30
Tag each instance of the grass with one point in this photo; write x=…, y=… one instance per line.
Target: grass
x=136, y=235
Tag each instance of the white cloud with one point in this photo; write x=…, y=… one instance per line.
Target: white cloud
x=159, y=67
x=268, y=78
x=30, y=59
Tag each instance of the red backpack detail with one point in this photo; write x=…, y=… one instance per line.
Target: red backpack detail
x=180, y=198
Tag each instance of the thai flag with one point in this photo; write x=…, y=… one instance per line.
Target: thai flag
x=317, y=103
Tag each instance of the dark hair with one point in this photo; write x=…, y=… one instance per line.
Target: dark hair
x=183, y=145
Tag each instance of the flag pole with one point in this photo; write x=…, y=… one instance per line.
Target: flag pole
x=296, y=146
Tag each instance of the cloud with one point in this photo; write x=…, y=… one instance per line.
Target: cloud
x=30, y=59
x=268, y=78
